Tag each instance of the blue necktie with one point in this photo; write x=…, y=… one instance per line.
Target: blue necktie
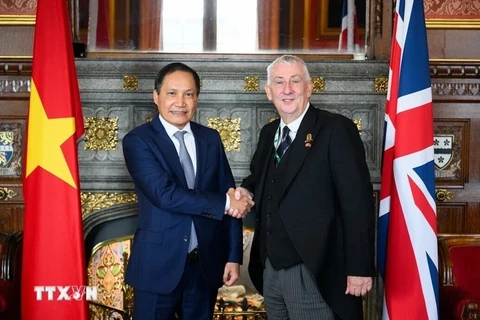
x=283, y=146
x=187, y=166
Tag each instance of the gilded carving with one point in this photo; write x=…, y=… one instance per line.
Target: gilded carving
x=128, y=292
x=106, y=271
x=381, y=85
x=6, y=194
x=95, y=201
x=358, y=123
x=443, y=195
x=251, y=84
x=130, y=83
x=318, y=84
x=101, y=133
x=229, y=130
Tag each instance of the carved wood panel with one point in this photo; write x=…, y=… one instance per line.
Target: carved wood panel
x=451, y=218
x=14, y=86
x=11, y=217
x=456, y=94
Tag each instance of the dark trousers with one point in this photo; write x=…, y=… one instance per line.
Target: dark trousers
x=191, y=299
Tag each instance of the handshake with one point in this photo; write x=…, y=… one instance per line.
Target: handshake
x=241, y=201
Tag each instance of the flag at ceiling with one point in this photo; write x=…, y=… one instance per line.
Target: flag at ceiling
x=407, y=225
x=53, y=250
x=349, y=40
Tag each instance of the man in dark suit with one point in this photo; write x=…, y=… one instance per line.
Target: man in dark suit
x=185, y=246
x=313, y=250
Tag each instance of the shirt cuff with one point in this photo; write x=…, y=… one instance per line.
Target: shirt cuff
x=227, y=203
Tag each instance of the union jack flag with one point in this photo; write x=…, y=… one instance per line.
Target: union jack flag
x=407, y=225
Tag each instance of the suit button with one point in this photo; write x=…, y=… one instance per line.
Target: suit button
x=269, y=232
x=269, y=214
x=185, y=238
x=270, y=197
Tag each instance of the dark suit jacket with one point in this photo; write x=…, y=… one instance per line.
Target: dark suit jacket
x=167, y=207
x=326, y=205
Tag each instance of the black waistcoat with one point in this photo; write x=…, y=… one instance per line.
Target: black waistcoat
x=275, y=242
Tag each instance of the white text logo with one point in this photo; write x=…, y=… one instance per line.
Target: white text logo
x=66, y=293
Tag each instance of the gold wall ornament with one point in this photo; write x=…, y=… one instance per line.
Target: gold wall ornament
x=229, y=130
x=101, y=133
x=130, y=83
x=17, y=19
x=251, y=84
x=381, y=85
x=7, y=194
x=358, y=123
x=96, y=201
x=452, y=23
x=443, y=195
x=318, y=84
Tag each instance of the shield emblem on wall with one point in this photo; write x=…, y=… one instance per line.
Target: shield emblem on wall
x=443, y=150
x=6, y=148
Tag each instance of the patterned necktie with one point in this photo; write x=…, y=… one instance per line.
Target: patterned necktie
x=283, y=146
x=187, y=166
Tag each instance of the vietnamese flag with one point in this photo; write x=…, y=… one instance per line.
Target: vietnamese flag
x=53, y=249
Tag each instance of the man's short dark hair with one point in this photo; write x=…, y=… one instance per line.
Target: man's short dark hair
x=172, y=67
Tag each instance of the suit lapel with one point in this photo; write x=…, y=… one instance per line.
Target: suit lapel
x=167, y=147
x=310, y=124
x=201, y=146
x=265, y=159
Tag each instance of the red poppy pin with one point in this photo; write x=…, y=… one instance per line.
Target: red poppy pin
x=308, y=140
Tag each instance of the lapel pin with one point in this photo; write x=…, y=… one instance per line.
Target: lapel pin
x=308, y=140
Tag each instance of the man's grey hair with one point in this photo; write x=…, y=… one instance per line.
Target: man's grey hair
x=288, y=59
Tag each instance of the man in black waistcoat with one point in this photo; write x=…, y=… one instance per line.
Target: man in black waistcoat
x=312, y=255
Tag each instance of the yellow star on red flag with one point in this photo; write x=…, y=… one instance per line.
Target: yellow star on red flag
x=45, y=138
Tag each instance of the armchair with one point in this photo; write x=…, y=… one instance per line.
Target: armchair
x=459, y=265
x=10, y=274
x=108, y=237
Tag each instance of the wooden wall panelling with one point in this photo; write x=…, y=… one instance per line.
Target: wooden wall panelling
x=456, y=96
x=14, y=95
x=11, y=217
x=451, y=218
x=473, y=217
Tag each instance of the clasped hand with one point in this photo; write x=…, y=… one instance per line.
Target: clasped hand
x=241, y=201
x=358, y=286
